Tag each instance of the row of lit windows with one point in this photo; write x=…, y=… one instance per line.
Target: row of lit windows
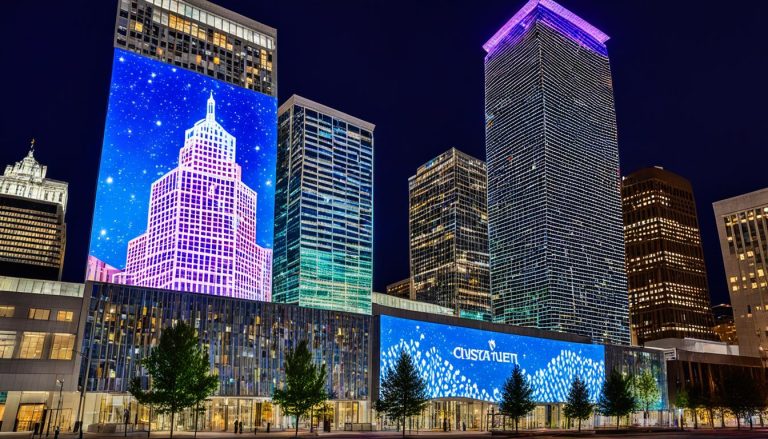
x=33, y=343
x=38, y=313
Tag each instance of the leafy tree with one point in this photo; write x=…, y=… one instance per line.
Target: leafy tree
x=304, y=384
x=179, y=373
x=403, y=391
x=517, y=396
x=578, y=406
x=682, y=401
x=616, y=396
x=647, y=392
x=739, y=396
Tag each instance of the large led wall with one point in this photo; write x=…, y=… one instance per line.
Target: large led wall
x=185, y=195
x=459, y=362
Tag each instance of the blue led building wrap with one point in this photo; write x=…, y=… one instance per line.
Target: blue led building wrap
x=459, y=362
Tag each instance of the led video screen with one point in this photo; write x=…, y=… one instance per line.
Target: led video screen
x=185, y=194
x=459, y=362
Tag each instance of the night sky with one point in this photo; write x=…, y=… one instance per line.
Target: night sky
x=689, y=78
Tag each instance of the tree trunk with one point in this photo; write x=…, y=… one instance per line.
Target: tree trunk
x=516, y=423
x=738, y=422
x=403, y=426
x=617, y=422
x=695, y=419
x=197, y=410
x=579, y=425
x=173, y=416
x=297, y=425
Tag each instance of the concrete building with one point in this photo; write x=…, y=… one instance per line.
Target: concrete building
x=742, y=224
x=32, y=227
x=39, y=354
x=448, y=234
x=323, y=248
x=666, y=274
x=700, y=367
x=554, y=206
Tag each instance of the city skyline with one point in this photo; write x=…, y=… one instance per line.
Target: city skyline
x=637, y=148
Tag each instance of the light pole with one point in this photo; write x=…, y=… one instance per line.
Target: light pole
x=60, y=383
x=83, y=389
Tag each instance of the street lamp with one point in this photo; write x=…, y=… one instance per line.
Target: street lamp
x=83, y=388
x=59, y=383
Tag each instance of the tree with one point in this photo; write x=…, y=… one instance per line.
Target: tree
x=646, y=391
x=403, y=391
x=304, y=385
x=578, y=406
x=179, y=373
x=517, y=396
x=742, y=396
x=682, y=401
x=616, y=396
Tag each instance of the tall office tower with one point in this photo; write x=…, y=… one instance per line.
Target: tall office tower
x=203, y=37
x=401, y=289
x=668, y=291
x=32, y=227
x=742, y=223
x=201, y=229
x=554, y=207
x=185, y=196
x=323, y=251
x=448, y=228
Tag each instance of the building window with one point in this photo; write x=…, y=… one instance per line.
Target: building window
x=39, y=313
x=62, y=346
x=6, y=311
x=64, y=316
x=7, y=343
x=32, y=345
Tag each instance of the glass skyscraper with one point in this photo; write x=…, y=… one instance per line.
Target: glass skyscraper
x=554, y=205
x=448, y=228
x=323, y=248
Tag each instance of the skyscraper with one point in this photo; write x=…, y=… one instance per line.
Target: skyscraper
x=32, y=227
x=668, y=291
x=201, y=230
x=742, y=224
x=323, y=248
x=185, y=192
x=203, y=37
x=554, y=207
x=401, y=289
x=448, y=228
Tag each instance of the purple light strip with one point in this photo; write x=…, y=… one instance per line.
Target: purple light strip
x=594, y=32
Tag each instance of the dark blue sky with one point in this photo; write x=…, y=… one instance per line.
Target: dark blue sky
x=689, y=81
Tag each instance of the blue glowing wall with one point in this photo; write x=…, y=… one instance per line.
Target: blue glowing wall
x=185, y=196
x=462, y=362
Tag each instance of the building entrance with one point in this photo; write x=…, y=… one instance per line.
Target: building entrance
x=29, y=415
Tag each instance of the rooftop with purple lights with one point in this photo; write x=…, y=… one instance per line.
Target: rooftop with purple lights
x=552, y=7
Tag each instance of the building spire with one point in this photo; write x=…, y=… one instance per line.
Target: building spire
x=31, y=148
x=211, y=112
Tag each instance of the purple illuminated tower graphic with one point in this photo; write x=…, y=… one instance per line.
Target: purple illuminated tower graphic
x=201, y=225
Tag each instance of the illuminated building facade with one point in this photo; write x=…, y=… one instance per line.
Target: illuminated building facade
x=32, y=226
x=401, y=289
x=667, y=278
x=247, y=341
x=203, y=37
x=323, y=247
x=554, y=205
x=742, y=224
x=201, y=229
x=39, y=326
x=448, y=234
